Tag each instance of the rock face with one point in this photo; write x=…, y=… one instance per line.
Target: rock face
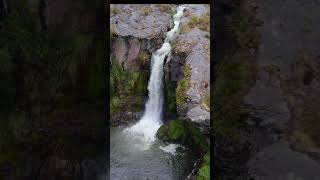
x=140, y=21
x=191, y=49
x=270, y=94
x=277, y=141
x=136, y=29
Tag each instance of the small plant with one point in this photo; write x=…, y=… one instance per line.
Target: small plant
x=202, y=22
x=166, y=8
x=114, y=10
x=145, y=11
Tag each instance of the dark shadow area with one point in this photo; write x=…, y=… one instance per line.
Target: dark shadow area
x=53, y=112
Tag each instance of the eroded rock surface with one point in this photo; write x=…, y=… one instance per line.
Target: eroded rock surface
x=194, y=47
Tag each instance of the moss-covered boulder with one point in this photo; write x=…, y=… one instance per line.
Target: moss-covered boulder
x=183, y=132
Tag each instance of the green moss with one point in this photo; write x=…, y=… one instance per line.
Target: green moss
x=170, y=99
x=183, y=132
x=235, y=76
x=183, y=85
x=204, y=171
x=176, y=131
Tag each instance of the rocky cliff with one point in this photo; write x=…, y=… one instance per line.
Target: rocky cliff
x=136, y=31
x=270, y=73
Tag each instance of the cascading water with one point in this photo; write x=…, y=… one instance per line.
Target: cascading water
x=135, y=153
x=147, y=127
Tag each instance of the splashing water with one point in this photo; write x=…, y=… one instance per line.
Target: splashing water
x=146, y=129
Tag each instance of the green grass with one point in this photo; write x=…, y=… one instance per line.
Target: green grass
x=204, y=171
x=183, y=85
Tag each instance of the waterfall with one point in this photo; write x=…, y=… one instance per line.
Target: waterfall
x=147, y=126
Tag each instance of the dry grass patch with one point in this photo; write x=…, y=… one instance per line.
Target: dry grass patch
x=145, y=11
x=114, y=10
x=202, y=22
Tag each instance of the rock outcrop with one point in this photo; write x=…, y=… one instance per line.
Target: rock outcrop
x=190, y=62
x=278, y=133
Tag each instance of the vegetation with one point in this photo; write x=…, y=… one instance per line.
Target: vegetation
x=166, y=8
x=114, y=10
x=183, y=85
x=124, y=84
x=204, y=171
x=143, y=58
x=145, y=10
x=170, y=99
x=202, y=22
x=183, y=132
x=244, y=27
x=234, y=77
x=236, y=73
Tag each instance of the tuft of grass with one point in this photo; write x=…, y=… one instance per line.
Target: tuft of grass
x=202, y=22
x=166, y=8
x=114, y=10
x=145, y=10
x=244, y=27
x=112, y=32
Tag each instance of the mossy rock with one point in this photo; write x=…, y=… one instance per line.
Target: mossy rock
x=183, y=132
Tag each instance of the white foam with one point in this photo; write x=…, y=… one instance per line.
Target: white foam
x=171, y=148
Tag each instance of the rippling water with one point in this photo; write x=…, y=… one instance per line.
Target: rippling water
x=129, y=162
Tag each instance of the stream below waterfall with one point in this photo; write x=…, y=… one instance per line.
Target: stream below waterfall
x=129, y=162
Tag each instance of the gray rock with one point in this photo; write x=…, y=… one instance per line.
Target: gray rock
x=279, y=162
x=131, y=22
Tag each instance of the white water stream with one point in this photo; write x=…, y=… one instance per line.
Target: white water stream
x=146, y=128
